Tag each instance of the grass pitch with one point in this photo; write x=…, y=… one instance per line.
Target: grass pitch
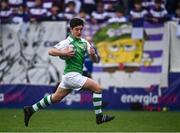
x=11, y=120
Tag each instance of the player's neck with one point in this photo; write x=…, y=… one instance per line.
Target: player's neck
x=74, y=37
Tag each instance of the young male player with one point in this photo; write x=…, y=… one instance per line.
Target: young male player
x=72, y=78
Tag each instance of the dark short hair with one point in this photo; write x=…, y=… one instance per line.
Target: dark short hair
x=158, y=1
x=76, y=22
x=71, y=3
x=137, y=1
x=119, y=8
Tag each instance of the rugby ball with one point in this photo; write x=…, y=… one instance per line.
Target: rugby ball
x=63, y=47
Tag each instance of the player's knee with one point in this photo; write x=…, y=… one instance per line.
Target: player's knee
x=98, y=90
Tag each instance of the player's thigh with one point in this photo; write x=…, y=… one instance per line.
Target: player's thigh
x=60, y=94
x=92, y=86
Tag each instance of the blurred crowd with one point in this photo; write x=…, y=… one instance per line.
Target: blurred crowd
x=93, y=11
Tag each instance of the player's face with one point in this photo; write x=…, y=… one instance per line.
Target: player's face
x=77, y=31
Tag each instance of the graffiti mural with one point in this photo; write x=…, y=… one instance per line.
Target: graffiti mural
x=24, y=55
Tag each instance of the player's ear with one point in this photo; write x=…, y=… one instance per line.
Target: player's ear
x=71, y=28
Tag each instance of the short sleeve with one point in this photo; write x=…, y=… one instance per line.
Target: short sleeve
x=62, y=44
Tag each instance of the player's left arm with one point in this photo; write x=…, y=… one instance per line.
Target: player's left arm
x=92, y=53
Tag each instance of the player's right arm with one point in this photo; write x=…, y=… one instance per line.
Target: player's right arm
x=56, y=52
x=60, y=49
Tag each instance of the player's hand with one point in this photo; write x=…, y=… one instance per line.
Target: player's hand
x=93, y=55
x=69, y=52
x=92, y=51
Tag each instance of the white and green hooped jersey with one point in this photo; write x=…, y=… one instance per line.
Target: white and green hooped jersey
x=81, y=46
